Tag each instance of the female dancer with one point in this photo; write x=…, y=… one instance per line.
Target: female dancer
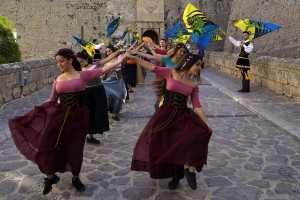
x=170, y=61
x=52, y=135
x=172, y=58
x=114, y=85
x=130, y=70
x=95, y=101
x=169, y=47
x=175, y=135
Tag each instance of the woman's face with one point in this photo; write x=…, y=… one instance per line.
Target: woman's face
x=180, y=52
x=63, y=63
x=195, y=69
x=108, y=51
x=82, y=62
x=168, y=47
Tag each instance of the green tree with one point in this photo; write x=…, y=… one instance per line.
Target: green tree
x=9, y=47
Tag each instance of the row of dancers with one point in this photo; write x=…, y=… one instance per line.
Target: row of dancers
x=53, y=134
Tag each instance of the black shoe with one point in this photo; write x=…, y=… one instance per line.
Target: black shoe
x=116, y=118
x=48, y=184
x=247, y=86
x=244, y=85
x=245, y=91
x=78, y=185
x=191, y=178
x=131, y=91
x=92, y=140
x=173, y=184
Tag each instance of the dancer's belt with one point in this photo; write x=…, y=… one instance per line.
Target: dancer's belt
x=115, y=75
x=72, y=100
x=94, y=82
x=174, y=100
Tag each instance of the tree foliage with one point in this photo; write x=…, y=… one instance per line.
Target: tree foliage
x=9, y=47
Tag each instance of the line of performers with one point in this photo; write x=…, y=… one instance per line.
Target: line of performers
x=53, y=134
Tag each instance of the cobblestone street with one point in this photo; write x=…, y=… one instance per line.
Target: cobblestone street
x=253, y=152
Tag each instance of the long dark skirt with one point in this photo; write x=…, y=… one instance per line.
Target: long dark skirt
x=97, y=105
x=130, y=74
x=52, y=137
x=171, y=139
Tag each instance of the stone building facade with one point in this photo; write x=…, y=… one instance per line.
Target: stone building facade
x=43, y=26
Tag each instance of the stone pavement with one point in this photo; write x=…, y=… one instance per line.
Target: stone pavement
x=282, y=111
x=249, y=157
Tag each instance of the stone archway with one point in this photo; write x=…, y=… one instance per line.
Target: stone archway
x=150, y=35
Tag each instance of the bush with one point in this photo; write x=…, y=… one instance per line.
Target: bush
x=9, y=47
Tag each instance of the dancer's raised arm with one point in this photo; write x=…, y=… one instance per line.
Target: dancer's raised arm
x=139, y=47
x=143, y=63
x=156, y=58
x=132, y=46
x=111, y=66
x=109, y=58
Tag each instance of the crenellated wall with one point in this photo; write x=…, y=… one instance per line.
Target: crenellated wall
x=280, y=75
x=40, y=73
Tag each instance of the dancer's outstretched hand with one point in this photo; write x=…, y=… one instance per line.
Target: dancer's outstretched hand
x=132, y=51
x=121, y=50
x=126, y=57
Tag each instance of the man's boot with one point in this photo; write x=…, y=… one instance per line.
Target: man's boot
x=243, y=83
x=247, y=86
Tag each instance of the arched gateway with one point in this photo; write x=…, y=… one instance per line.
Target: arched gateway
x=150, y=36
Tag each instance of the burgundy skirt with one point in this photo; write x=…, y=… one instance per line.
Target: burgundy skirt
x=52, y=137
x=172, y=138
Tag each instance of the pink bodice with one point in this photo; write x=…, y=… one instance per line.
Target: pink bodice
x=177, y=86
x=74, y=85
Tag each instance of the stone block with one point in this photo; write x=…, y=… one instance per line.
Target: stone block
x=16, y=92
x=26, y=90
x=32, y=87
x=261, y=71
x=287, y=90
x=12, y=80
x=294, y=78
x=268, y=84
x=278, y=88
x=282, y=76
x=256, y=80
x=296, y=92
x=45, y=82
x=39, y=84
x=254, y=70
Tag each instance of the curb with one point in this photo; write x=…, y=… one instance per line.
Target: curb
x=291, y=130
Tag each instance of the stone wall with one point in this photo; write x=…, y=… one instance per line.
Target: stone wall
x=280, y=75
x=44, y=26
x=41, y=73
x=284, y=42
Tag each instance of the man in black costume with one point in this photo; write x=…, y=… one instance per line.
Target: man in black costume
x=243, y=62
x=97, y=46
